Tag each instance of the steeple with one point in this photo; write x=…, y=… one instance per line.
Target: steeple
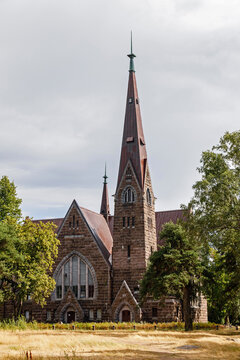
x=133, y=143
x=105, y=209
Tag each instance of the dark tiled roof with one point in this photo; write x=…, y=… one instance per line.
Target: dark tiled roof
x=162, y=217
x=100, y=228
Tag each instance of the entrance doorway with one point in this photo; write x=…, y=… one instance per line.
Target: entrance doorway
x=70, y=316
x=126, y=316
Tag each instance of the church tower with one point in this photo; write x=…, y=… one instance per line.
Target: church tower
x=134, y=232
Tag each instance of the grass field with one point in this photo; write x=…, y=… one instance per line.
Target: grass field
x=124, y=344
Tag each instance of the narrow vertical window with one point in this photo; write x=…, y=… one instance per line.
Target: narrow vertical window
x=77, y=224
x=154, y=312
x=151, y=250
x=133, y=221
x=74, y=221
x=90, y=285
x=128, y=221
x=129, y=251
x=91, y=314
x=70, y=225
x=124, y=221
x=83, y=280
x=75, y=275
x=66, y=276
x=99, y=314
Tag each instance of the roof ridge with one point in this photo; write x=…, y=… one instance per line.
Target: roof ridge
x=94, y=212
x=162, y=211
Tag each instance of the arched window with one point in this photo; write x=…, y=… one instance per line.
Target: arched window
x=149, y=197
x=76, y=274
x=129, y=195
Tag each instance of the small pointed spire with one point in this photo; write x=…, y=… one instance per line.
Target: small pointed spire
x=105, y=209
x=105, y=175
x=131, y=56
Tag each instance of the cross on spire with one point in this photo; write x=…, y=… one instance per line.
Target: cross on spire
x=131, y=56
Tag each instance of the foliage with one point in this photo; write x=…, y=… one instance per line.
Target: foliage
x=9, y=202
x=27, y=253
x=215, y=220
x=21, y=324
x=175, y=269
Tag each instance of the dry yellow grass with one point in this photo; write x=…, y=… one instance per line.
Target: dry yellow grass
x=129, y=345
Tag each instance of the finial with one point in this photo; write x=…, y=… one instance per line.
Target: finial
x=131, y=56
x=105, y=175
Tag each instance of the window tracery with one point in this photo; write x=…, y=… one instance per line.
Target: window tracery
x=128, y=195
x=75, y=274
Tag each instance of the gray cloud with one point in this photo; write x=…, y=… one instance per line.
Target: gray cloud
x=63, y=70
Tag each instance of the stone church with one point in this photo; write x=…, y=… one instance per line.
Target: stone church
x=102, y=257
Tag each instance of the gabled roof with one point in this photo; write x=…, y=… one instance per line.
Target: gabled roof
x=96, y=224
x=100, y=229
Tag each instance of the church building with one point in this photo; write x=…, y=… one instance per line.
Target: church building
x=103, y=257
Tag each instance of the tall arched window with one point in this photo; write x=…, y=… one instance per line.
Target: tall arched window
x=149, y=197
x=76, y=274
x=129, y=195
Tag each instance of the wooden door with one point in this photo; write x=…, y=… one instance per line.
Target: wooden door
x=70, y=316
x=126, y=316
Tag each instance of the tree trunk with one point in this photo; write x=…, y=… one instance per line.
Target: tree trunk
x=187, y=311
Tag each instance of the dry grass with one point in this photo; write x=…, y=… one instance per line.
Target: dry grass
x=129, y=345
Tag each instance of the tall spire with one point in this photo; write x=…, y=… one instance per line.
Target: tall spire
x=131, y=56
x=133, y=143
x=105, y=209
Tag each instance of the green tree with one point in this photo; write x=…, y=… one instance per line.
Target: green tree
x=9, y=202
x=175, y=269
x=27, y=253
x=215, y=220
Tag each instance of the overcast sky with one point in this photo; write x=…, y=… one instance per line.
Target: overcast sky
x=63, y=84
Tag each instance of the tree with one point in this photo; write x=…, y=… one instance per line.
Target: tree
x=175, y=269
x=27, y=253
x=215, y=220
x=9, y=202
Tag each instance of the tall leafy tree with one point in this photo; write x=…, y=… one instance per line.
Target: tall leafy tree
x=27, y=253
x=9, y=202
x=215, y=220
x=175, y=269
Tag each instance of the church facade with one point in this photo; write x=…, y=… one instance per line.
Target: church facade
x=101, y=257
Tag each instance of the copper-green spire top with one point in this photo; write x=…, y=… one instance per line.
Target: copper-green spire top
x=105, y=175
x=131, y=56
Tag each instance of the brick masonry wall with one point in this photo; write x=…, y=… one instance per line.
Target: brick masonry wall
x=141, y=238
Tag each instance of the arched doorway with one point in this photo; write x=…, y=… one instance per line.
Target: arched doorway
x=125, y=314
x=70, y=316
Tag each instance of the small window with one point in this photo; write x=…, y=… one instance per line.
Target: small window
x=73, y=221
x=128, y=195
x=91, y=314
x=49, y=317
x=59, y=291
x=27, y=315
x=99, y=314
x=137, y=101
x=151, y=250
x=149, y=197
x=154, y=312
x=136, y=290
x=130, y=139
x=70, y=225
x=133, y=221
x=130, y=100
x=124, y=221
x=77, y=224
x=128, y=221
x=129, y=251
